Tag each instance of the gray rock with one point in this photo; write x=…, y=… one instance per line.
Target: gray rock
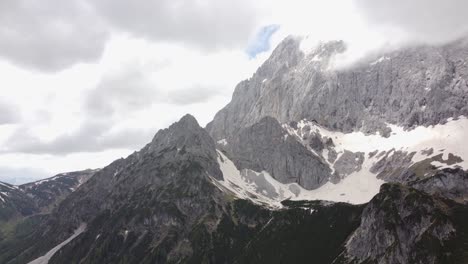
x=393, y=166
x=267, y=146
x=414, y=86
x=262, y=185
x=348, y=163
x=332, y=155
x=316, y=142
x=427, y=152
x=397, y=166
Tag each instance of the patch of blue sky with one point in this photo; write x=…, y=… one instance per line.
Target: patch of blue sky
x=261, y=42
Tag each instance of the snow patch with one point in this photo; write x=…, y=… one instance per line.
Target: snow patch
x=48, y=179
x=222, y=142
x=358, y=187
x=116, y=172
x=45, y=259
x=237, y=184
x=441, y=165
x=8, y=186
x=316, y=58
x=446, y=137
x=379, y=60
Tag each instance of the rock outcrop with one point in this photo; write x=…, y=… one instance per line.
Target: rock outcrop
x=267, y=146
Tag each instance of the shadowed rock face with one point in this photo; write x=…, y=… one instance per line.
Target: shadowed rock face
x=14, y=203
x=393, y=166
x=157, y=194
x=267, y=146
x=410, y=87
x=448, y=183
x=403, y=225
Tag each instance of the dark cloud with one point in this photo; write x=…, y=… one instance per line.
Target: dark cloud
x=126, y=91
x=208, y=24
x=8, y=114
x=50, y=35
x=115, y=96
x=54, y=34
x=92, y=136
x=432, y=21
x=131, y=90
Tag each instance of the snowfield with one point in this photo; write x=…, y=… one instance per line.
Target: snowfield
x=443, y=138
x=360, y=186
x=262, y=188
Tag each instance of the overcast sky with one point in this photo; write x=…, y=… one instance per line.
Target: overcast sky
x=85, y=82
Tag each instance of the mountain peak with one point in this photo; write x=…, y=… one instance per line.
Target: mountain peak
x=187, y=138
x=189, y=120
x=185, y=127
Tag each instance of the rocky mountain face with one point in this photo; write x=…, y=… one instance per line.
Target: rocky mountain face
x=408, y=87
x=147, y=203
x=310, y=162
x=166, y=204
x=380, y=95
x=266, y=146
x=163, y=204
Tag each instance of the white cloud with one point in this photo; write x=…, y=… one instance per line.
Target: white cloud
x=8, y=114
x=125, y=91
x=426, y=21
x=207, y=24
x=140, y=87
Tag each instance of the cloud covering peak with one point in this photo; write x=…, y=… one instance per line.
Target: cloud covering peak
x=426, y=21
